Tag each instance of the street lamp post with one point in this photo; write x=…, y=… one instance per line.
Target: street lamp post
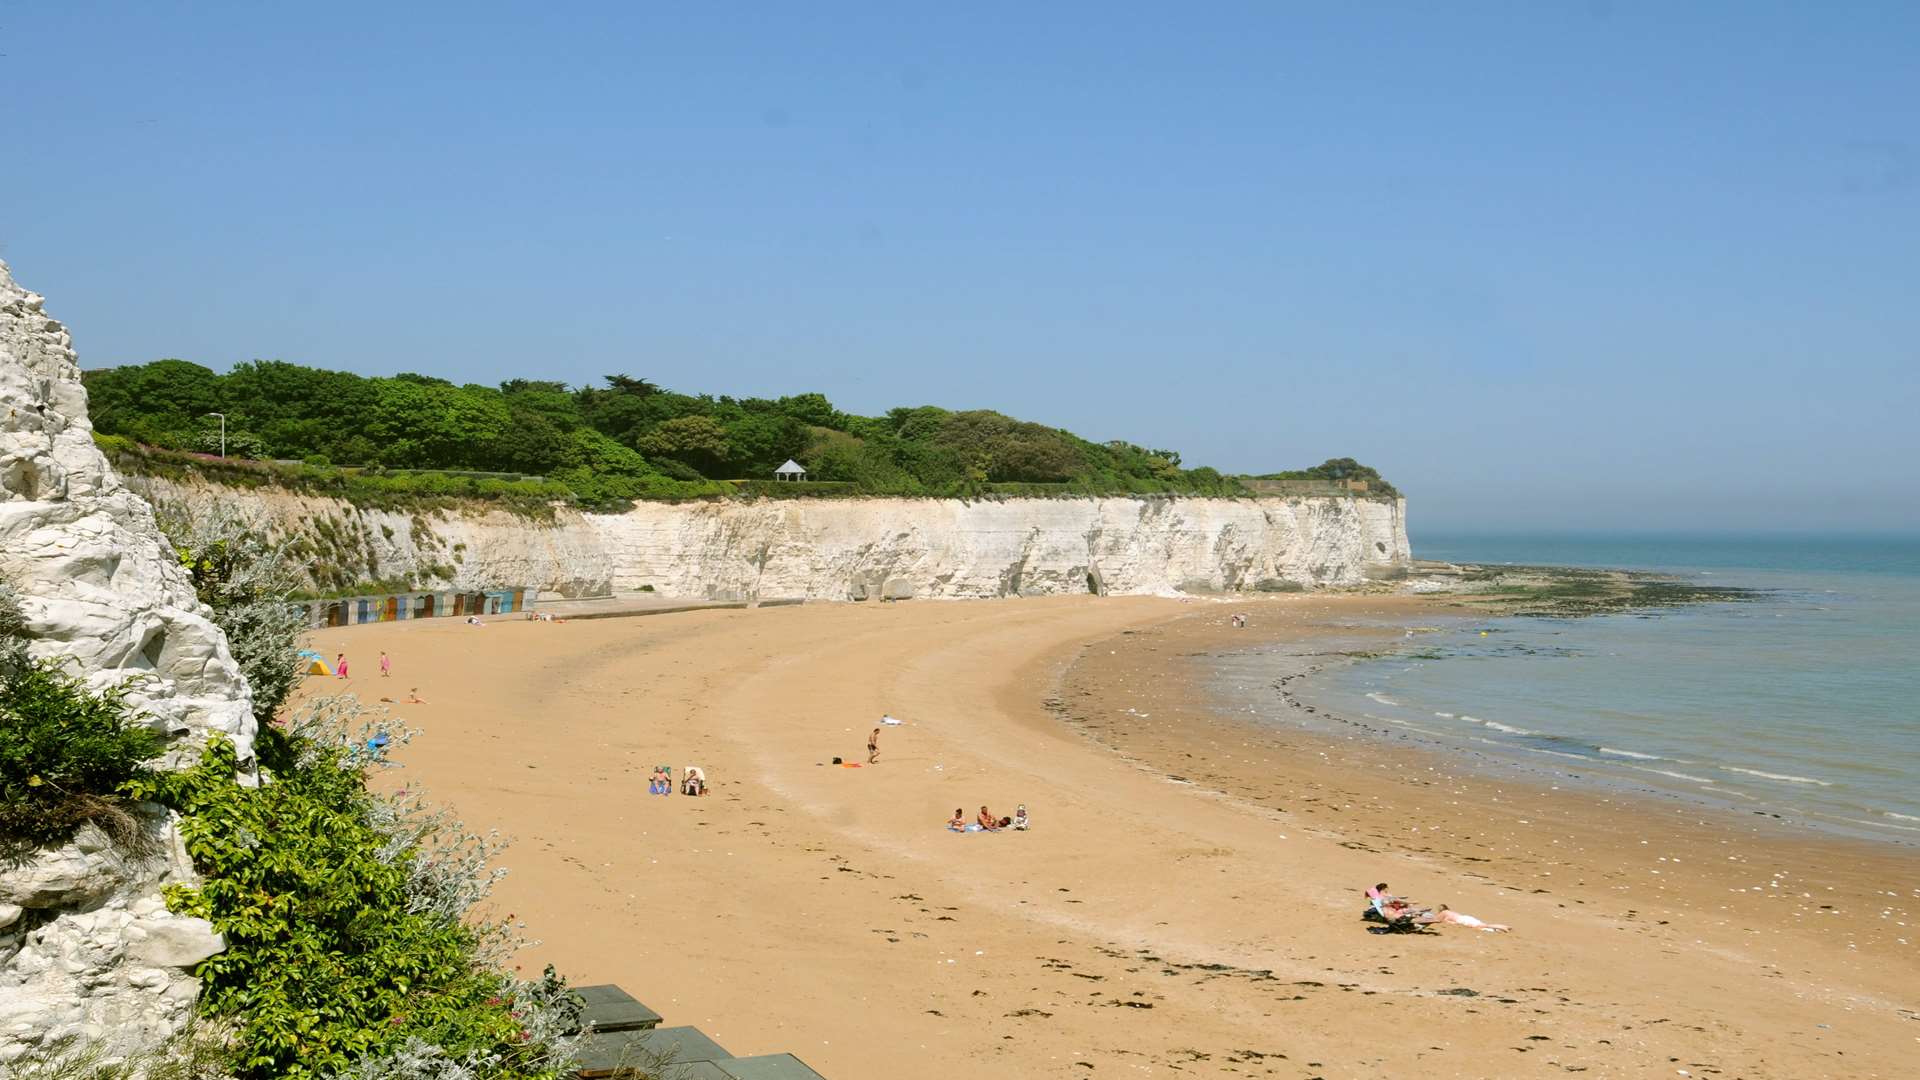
x=223, y=431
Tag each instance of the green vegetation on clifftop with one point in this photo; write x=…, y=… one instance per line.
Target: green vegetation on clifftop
x=605, y=445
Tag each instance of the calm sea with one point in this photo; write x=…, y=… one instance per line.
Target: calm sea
x=1805, y=703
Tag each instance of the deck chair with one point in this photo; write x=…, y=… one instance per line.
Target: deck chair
x=1390, y=923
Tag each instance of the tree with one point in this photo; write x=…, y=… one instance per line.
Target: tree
x=813, y=409
x=425, y=423
x=159, y=403
x=622, y=384
x=1000, y=448
x=530, y=443
x=698, y=441
x=551, y=401
x=758, y=442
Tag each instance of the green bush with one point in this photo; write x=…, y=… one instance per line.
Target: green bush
x=609, y=445
x=111, y=445
x=65, y=755
x=246, y=577
x=330, y=961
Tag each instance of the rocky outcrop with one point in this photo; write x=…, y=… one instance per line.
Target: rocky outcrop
x=840, y=549
x=87, y=948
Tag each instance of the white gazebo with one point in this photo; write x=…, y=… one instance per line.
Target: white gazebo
x=790, y=471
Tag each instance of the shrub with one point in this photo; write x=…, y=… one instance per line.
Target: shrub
x=13, y=628
x=246, y=579
x=65, y=754
x=113, y=445
x=347, y=952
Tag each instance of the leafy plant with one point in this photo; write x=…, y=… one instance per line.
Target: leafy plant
x=66, y=753
x=246, y=578
x=344, y=918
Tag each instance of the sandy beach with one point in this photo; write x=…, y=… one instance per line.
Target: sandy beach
x=1187, y=901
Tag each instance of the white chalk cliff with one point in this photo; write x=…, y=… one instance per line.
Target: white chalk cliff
x=841, y=549
x=855, y=548
x=87, y=948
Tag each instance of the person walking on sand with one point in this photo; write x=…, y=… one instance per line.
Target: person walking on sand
x=340, y=665
x=386, y=665
x=873, y=747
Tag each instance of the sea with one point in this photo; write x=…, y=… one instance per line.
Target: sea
x=1802, y=704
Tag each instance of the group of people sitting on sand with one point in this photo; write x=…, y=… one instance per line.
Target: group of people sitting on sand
x=1400, y=915
x=693, y=781
x=986, y=822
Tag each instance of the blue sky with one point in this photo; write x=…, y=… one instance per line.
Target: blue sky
x=1634, y=266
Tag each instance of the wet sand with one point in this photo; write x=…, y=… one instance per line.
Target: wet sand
x=1187, y=902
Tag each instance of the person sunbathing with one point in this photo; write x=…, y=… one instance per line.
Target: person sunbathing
x=987, y=821
x=959, y=822
x=1460, y=918
x=1020, y=818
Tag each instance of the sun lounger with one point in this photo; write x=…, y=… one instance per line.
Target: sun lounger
x=1393, y=924
x=609, y=1008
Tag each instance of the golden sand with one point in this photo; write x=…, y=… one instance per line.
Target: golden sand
x=1146, y=926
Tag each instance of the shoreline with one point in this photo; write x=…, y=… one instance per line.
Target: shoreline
x=1374, y=744
x=1204, y=927
x=1306, y=687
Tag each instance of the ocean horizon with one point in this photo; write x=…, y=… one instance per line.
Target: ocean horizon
x=1797, y=704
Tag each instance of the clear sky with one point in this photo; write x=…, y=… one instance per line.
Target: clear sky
x=1553, y=266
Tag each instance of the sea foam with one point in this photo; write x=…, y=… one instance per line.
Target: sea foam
x=1775, y=776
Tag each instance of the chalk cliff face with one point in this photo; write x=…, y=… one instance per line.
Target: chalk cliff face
x=850, y=549
x=87, y=948
x=841, y=549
